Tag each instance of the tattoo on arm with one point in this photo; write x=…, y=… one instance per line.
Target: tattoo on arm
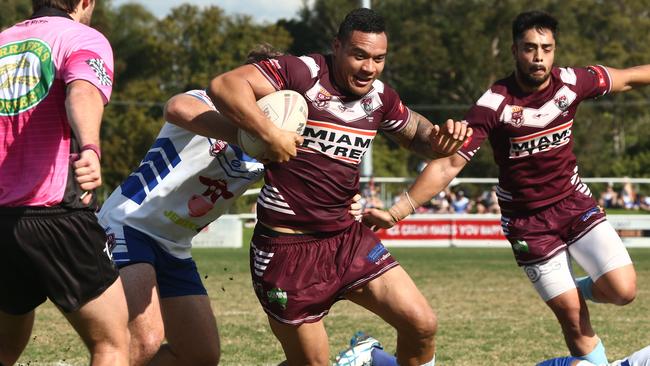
x=415, y=135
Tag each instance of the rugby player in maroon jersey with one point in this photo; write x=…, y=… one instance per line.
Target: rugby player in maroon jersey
x=306, y=252
x=548, y=214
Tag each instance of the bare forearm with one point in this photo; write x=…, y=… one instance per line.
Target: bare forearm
x=84, y=108
x=235, y=98
x=627, y=79
x=195, y=116
x=421, y=143
x=415, y=135
x=434, y=178
x=431, y=141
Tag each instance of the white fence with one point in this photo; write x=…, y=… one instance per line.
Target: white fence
x=429, y=231
x=227, y=231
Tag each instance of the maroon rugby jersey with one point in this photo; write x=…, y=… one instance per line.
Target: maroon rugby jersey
x=314, y=190
x=531, y=135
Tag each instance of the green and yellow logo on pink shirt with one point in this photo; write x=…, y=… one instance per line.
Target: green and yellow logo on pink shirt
x=26, y=75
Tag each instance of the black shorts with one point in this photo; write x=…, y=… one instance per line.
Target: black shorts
x=52, y=252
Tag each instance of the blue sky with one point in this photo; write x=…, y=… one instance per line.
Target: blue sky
x=261, y=10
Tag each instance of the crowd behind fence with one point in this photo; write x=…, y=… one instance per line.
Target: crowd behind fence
x=478, y=195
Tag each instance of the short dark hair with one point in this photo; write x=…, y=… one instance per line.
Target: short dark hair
x=261, y=52
x=361, y=19
x=66, y=5
x=533, y=19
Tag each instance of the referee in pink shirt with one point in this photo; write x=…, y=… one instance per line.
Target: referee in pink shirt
x=55, y=78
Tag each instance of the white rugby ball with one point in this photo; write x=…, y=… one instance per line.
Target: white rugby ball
x=286, y=108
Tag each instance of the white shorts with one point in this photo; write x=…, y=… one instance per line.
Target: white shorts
x=597, y=252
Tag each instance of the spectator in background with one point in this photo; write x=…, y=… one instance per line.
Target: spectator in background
x=644, y=203
x=488, y=202
x=440, y=203
x=371, y=197
x=460, y=204
x=609, y=197
x=627, y=199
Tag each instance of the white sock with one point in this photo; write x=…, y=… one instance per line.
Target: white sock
x=430, y=363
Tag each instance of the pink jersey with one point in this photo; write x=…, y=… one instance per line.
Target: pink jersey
x=314, y=190
x=531, y=135
x=38, y=58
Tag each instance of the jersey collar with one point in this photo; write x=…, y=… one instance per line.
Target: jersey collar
x=47, y=11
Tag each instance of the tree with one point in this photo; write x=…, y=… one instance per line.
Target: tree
x=155, y=59
x=14, y=11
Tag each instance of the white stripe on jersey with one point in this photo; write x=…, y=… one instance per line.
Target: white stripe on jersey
x=577, y=182
x=271, y=198
x=268, y=199
x=490, y=100
x=568, y=75
x=311, y=65
x=504, y=195
x=504, y=225
x=609, y=77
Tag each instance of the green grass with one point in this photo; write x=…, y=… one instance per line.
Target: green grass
x=488, y=312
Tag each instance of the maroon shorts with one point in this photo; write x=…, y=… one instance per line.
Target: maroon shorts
x=537, y=236
x=297, y=278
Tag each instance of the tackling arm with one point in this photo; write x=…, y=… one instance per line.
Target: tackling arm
x=429, y=140
x=626, y=79
x=235, y=92
x=192, y=114
x=434, y=178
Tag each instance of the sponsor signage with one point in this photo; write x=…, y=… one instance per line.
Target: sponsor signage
x=446, y=230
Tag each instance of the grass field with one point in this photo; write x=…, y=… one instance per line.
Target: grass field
x=488, y=313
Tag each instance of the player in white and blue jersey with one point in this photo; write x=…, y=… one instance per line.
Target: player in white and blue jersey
x=184, y=182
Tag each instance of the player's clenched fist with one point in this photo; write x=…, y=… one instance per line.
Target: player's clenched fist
x=448, y=138
x=378, y=219
x=282, y=146
x=87, y=171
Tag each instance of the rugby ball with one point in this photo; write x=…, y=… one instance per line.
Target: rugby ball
x=286, y=108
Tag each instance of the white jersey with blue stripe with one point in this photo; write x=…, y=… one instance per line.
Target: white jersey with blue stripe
x=184, y=182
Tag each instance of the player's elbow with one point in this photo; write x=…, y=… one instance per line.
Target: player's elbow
x=81, y=92
x=218, y=86
x=173, y=109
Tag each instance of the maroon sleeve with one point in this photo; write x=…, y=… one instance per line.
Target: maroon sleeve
x=592, y=81
x=396, y=115
x=289, y=72
x=482, y=119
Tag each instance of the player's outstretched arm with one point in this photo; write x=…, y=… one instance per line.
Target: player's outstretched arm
x=84, y=107
x=429, y=140
x=192, y=114
x=434, y=178
x=627, y=79
x=235, y=93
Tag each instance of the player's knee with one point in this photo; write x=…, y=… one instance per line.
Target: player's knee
x=625, y=294
x=144, y=345
x=423, y=323
x=572, y=318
